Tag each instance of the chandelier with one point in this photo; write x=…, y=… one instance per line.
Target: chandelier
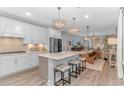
x=73, y=28
x=59, y=23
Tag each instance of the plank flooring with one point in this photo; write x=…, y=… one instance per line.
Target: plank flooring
x=108, y=77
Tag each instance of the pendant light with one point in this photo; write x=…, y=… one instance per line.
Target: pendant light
x=59, y=23
x=73, y=28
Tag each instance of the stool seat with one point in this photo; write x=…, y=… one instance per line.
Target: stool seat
x=63, y=67
x=75, y=62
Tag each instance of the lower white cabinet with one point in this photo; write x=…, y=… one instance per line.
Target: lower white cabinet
x=33, y=59
x=0, y=65
x=13, y=63
x=21, y=62
x=8, y=64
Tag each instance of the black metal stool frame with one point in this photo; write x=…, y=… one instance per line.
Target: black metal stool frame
x=77, y=70
x=62, y=77
x=83, y=67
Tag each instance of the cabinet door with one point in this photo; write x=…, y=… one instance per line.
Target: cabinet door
x=21, y=62
x=54, y=33
x=0, y=64
x=8, y=64
x=36, y=58
x=14, y=28
x=43, y=35
x=2, y=25
x=40, y=35
x=35, y=34
x=59, y=34
x=33, y=59
x=27, y=34
x=30, y=60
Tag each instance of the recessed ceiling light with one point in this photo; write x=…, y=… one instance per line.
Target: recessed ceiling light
x=86, y=16
x=28, y=13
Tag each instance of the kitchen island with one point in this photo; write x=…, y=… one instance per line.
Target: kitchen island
x=48, y=61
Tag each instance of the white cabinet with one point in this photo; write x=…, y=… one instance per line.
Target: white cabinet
x=13, y=28
x=21, y=62
x=35, y=34
x=33, y=59
x=2, y=26
x=43, y=35
x=12, y=63
x=36, y=58
x=54, y=33
x=0, y=64
x=27, y=34
x=40, y=36
x=30, y=34
x=8, y=64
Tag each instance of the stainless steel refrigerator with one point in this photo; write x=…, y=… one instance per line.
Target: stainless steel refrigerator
x=55, y=45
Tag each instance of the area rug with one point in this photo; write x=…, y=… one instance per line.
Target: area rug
x=98, y=65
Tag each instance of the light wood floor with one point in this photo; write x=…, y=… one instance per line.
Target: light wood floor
x=88, y=78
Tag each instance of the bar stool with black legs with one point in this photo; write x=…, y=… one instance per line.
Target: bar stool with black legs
x=62, y=69
x=83, y=60
x=75, y=68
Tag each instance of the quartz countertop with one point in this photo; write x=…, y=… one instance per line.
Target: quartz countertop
x=21, y=52
x=61, y=55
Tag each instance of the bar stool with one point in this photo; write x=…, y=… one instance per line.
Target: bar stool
x=83, y=60
x=77, y=70
x=62, y=69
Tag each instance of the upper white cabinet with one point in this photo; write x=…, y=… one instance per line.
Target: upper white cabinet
x=32, y=34
x=27, y=34
x=35, y=34
x=13, y=28
x=54, y=33
x=2, y=25
x=42, y=35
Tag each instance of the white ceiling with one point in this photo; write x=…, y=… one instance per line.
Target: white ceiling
x=101, y=20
